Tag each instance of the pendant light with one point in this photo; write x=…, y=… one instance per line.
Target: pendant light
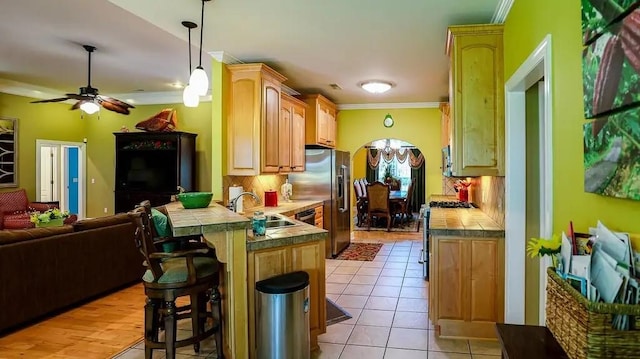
x=199, y=79
x=190, y=97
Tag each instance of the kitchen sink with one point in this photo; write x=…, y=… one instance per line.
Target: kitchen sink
x=279, y=223
x=274, y=217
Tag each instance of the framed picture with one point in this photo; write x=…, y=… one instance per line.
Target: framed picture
x=611, y=69
x=8, y=152
x=598, y=14
x=612, y=155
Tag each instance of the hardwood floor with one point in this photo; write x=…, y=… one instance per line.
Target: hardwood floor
x=109, y=325
x=98, y=329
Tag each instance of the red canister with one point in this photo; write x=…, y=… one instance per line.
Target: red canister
x=271, y=198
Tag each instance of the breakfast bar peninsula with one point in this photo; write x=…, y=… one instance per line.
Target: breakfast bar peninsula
x=246, y=260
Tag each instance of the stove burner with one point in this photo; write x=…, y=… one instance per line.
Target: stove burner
x=450, y=204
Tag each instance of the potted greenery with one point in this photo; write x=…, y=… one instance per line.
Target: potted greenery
x=394, y=183
x=49, y=218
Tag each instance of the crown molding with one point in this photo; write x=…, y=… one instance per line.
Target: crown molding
x=224, y=57
x=388, y=105
x=135, y=98
x=502, y=10
x=155, y=98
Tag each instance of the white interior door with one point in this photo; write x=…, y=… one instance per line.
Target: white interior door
x=61, y=174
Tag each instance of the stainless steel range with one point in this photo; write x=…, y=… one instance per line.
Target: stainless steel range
x=426, y=214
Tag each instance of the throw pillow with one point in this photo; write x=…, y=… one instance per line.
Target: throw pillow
x=160, y=222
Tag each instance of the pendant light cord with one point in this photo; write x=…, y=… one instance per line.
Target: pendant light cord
x=189, y=51
x=201, y=32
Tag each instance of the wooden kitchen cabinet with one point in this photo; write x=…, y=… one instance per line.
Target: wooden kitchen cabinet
x=319, y=217
x=253, y=121
x=321, y=121
x=466, y=291
x=292, y=134
x=476, y=96
x=308, y=257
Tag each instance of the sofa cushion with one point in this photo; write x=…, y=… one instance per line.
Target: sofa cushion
x=85, y=224
x=17, y=235
x=14, y=201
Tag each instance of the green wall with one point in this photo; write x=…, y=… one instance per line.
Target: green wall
x=528, y=22
x=54, y=121
x=420, y=127
x=39, y=121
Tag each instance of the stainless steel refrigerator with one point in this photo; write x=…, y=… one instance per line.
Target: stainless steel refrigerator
x=326, y=177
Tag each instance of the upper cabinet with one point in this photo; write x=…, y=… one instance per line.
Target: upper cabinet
x=476, y=95
x=253, y=120
x=321, y=121
x=292, y=134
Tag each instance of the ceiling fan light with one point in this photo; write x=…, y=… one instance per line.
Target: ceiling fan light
x=89, y=107
x=199, y=81
x=189, y=97
x=376, y=86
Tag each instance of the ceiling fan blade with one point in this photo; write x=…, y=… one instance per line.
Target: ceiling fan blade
x=115, y=101
x=78, y=96
x=113, y=107
x=76, y=105
x=51, y=100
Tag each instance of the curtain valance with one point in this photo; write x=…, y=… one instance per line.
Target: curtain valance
x=415, y=157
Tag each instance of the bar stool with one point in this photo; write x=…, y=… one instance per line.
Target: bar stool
x=191, y=272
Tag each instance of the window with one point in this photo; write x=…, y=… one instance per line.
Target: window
x=401, y=171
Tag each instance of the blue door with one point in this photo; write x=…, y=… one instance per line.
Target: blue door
x=72, y=178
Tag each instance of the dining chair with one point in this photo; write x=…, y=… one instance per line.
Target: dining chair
x=379, y=205
x=361, y=202
x=169, y=276
x=405, y=209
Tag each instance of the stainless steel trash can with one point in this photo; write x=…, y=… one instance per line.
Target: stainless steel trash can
x=282, y=317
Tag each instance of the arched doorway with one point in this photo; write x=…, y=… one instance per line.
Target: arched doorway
x=394, y=161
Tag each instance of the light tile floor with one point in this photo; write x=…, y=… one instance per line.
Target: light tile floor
x=388, y=299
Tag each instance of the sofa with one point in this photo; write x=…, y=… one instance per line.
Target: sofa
x=16, y=209
x=45, y=270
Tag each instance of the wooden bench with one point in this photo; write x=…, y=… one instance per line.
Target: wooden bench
x=528, y=341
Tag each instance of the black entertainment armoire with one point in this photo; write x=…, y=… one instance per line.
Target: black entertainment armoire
x=151, y=165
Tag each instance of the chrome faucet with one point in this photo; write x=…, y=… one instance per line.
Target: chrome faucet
x=233, y=203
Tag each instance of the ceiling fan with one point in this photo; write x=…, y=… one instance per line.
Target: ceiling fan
x=89, y=99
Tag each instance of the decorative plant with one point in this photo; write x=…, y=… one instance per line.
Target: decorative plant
x=389, y=179
x=543, y=247
x=48, y=215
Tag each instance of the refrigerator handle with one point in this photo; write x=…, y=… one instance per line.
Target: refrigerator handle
x=342, y=188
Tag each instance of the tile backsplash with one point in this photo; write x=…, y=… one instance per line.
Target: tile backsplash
x=487, y=193
x=257, y=184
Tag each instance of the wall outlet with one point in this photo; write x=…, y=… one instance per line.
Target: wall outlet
x=105, y=210
x=93, y=180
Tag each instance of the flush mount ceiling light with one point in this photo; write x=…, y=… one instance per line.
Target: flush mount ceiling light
x=199, y=79
x=190, y=97
x=376, y=86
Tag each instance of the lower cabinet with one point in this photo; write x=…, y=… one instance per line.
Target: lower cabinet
x=308, y=257
x=319, y=221
x=466, y=292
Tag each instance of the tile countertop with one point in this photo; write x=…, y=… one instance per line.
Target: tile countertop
x=463, y=222
x=217, y=218
x=285, y=208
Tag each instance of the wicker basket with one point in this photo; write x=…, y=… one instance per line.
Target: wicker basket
x=583, y=328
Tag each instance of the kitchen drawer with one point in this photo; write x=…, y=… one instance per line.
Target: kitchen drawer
x=319, y=212
x=319, y=223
